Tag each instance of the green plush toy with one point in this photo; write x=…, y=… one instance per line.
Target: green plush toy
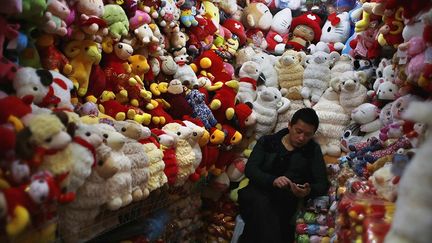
x=234, y=192
x=33, y=10
x=117, y=20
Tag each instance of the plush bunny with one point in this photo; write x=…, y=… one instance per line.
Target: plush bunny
x=267, y=106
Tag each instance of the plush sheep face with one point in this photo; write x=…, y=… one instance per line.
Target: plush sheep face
x=175, y=87
x=250, y=69
x=111, y=137
x=123, y=50
x=132, y=129
x=87, y=132
x=49, y=137
x=365, y=113
x=178, y=131
x=270, y=95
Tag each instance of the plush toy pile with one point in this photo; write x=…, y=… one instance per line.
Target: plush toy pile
x=103, y=102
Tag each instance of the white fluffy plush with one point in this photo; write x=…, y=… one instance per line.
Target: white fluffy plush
x=248, y=74
x=352, y=92
x=345, y=63
x=333, y=120
x=367, y=115
x=412, y=220
x=83, y=157
x=185, y=72
x=316, y=76
x=197, y=133
x=285, y=117
x=138, y=157
x=267, y=64
x=267, y=106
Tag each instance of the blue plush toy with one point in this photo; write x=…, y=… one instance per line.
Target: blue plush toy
x=200, y=110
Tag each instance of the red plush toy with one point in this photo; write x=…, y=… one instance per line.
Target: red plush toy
x=120, y=112
x=51, y=57
x=159, y=116
x=168, y=147
x=223, y=102
x=210, y=62
x=227, y=155
x=210, y=153
x=176, y=98
x=244, y=116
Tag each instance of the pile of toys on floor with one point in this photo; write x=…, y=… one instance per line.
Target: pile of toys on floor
x=104, y=102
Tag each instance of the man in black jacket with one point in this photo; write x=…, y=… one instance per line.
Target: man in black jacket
x=282, y=168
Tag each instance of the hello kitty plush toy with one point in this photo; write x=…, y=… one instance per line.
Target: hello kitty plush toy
x=336, y=31
x=279, y=30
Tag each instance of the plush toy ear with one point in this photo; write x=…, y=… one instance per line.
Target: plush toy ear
x=73, y=49
x=45, y=77
x=361, y=76
x=335, y=84
x=62, y=116
x=71, y=128
x=249, y=104
x=334, y=56
x=23, y=147
x=261, y=79
x=250, y=20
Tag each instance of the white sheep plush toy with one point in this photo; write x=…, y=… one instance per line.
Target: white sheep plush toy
x=333, y=120
x=316, y=75
x=132, y=131
x=267, y=106
x=350, y=86
x=345, y=63
x=412, y=219
x=248, y=74
x=267, y=64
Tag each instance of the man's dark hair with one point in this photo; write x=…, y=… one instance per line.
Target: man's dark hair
x=307, y=115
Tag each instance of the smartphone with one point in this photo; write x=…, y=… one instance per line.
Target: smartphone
x=301, y=186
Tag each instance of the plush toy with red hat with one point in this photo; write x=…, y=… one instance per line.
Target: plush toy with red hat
x=236, y=28
x=244, y=117
x=306, y=29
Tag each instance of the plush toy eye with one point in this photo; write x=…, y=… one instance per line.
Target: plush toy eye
x=105, y=135
x=88, y=134
x=347, y=134
x=86, y=48
x=100, y=162
x=380, y=74
x=275, y=97
x=390, y=90
x=123, y=129
x=35, y=88
x=195, y=134
x=48, y=140
x=329, y=29
x=178, y=133
x=40, y=181
x=120, y=46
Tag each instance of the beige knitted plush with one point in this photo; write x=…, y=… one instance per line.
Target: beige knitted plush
x=289, y=68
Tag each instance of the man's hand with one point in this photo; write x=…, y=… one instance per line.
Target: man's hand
x=282, y=182
x=300, y=190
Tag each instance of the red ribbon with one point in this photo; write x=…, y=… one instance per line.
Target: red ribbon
x=334, y=19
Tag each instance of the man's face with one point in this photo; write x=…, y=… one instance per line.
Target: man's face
x=300, y=133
